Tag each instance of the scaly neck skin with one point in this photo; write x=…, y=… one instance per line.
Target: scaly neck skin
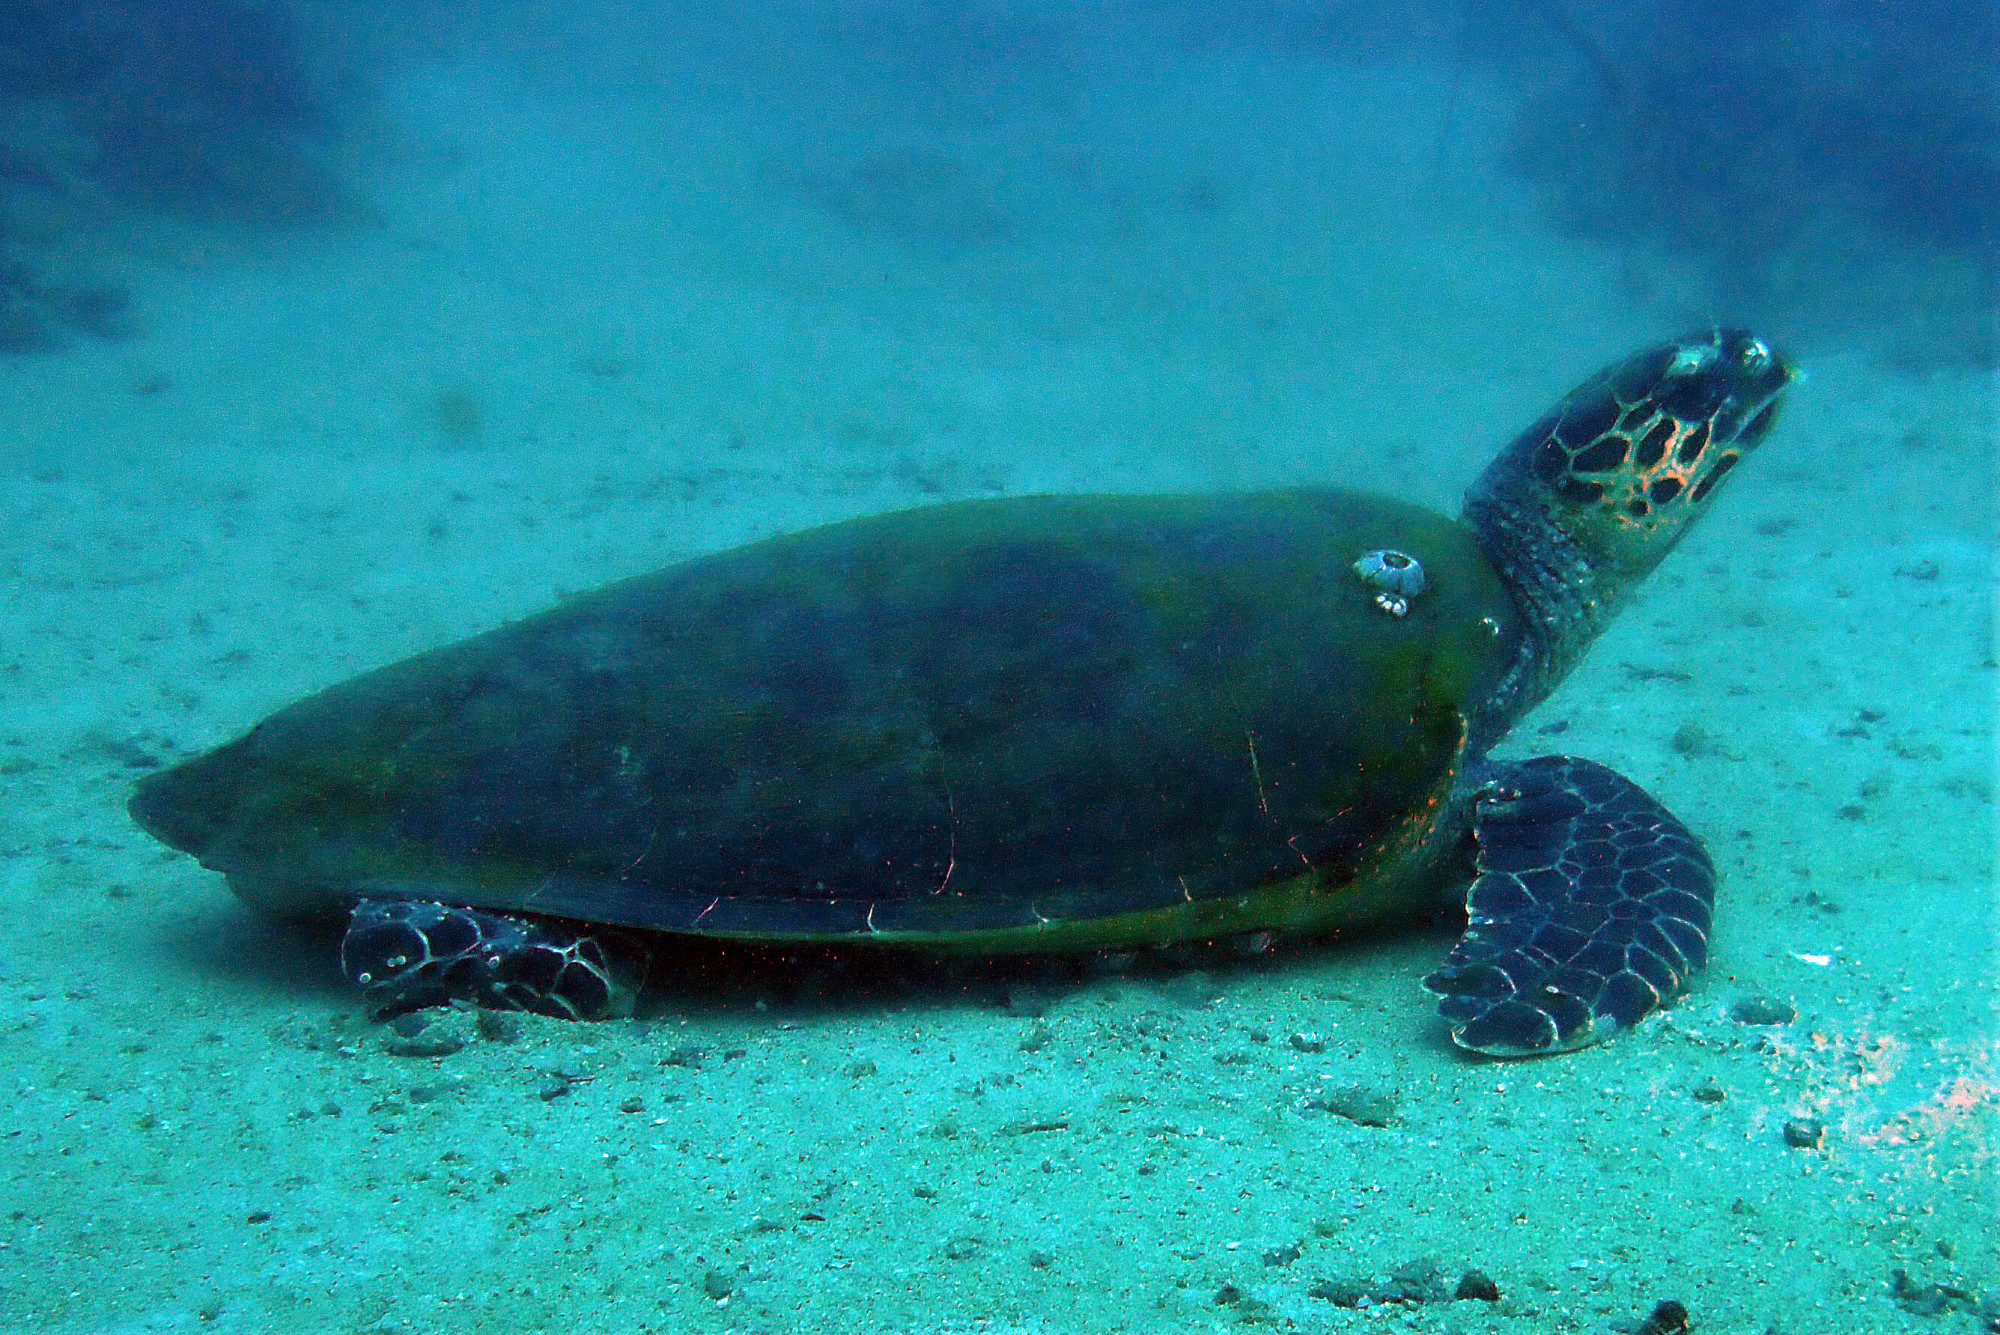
x=1565, y=598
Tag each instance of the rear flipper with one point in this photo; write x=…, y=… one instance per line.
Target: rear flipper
x=1590, y=910
x=406, y=954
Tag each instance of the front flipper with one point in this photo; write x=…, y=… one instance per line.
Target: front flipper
x=406, y=954
x=1590, y=910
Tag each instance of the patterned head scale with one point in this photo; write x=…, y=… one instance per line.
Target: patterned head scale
x=1630, y=458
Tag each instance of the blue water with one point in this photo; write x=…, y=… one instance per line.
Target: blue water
x=341, y=334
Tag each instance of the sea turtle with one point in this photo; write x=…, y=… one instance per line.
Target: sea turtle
x=1037, y=724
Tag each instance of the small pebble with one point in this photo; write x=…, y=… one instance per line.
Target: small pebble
x=1418, y=1281
x=1358, y=1104
x=1804, y=1133
x=1762, y=1010
x=1339, y=1292
x=1696, y=742
x=1668, y=1318
x=436, y=1033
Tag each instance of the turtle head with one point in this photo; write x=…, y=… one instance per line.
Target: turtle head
x=1587, y=501
x=1632, y=456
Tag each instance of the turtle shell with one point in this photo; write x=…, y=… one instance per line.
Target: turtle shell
x=1038, y=723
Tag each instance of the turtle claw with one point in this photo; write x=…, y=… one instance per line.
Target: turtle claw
x=407, y=954
x=1591, y=910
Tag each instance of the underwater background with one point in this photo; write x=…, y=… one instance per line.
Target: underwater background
x=330, y=333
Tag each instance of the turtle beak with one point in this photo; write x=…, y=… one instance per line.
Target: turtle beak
x=1748, y=381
